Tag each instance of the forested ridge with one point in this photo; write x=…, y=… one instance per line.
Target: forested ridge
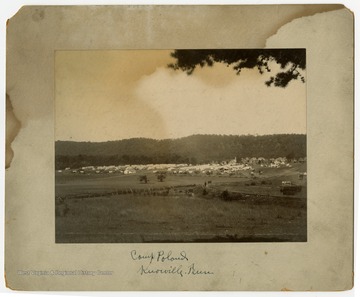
x=193, y=149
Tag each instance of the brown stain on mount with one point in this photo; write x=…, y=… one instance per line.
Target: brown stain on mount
x=304, y=10
x=13, y=126
x=7, y=285
x=38, y=15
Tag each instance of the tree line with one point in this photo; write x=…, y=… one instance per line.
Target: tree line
x=194, y=149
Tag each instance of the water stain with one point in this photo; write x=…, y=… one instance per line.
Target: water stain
x=38, y=15
x=13, y=126
x=302, y=11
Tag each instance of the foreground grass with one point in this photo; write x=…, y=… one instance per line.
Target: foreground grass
x=132, y=218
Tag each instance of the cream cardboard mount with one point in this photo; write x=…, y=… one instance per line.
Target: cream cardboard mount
x=34, y=261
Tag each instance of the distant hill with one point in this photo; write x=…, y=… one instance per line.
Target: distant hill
x=192, y=149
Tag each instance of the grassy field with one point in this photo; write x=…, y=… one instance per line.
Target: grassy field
x=118, y=208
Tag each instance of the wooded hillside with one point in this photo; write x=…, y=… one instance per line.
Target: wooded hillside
x=193, y=149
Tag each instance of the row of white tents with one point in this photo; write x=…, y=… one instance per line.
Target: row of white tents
x=223, y=167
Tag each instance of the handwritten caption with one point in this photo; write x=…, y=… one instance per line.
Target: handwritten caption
x=167, y=262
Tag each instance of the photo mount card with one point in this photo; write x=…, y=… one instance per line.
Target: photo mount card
x=143, y=156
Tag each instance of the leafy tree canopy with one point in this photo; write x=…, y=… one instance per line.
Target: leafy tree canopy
x=291, y=61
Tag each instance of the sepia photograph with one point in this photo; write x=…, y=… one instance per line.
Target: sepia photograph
x=180, y=145
x=180, y=148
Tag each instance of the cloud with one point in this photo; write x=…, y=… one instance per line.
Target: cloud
x=191, y=105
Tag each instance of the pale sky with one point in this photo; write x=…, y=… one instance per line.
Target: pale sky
x=112, y=95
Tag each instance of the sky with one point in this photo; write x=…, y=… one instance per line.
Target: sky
x=121, y=94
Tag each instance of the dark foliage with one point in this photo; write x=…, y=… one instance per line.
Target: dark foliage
x=225, y=195
x=144, y=179
x=290, y=60
x=161, y=176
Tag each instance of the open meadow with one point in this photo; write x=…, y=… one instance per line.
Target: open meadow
x=120, y=208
